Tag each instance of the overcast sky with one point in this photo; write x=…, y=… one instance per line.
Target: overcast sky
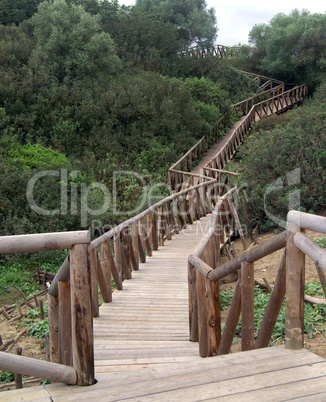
x=236, y=18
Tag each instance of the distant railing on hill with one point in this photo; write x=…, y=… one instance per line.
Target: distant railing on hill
x=220, y=51
x=274, y=100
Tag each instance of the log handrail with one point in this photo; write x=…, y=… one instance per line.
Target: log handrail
x=38, y=368
x=290, y=282
x=105, y=237
x=74, y=362
x=32, y=243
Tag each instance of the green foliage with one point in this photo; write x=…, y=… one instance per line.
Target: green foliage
x=291, y=47
x=70, y=44
x=142, y=39
x=195, y=22
x=225, y=298
x=269, y=158
x=35, y=156
x=39, y=329
x=315, y=315
x=17, y=275
x=314, y=288
x=35, y=313
x=16, y=11
x=321, y=241
x=6, y=376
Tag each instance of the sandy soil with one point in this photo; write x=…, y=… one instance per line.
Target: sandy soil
x=268, y=267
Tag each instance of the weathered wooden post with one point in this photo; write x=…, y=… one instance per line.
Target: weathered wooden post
x=247, y=305
x=81, y=315
x=64, y=324
x=295, y=280
x=53, y=314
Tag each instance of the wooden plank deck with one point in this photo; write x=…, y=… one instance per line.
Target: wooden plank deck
x=214, y=149
x=143, y=353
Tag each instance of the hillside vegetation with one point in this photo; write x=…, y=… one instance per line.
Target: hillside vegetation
x=76, y=96
x=282, y=163
x=89, y=89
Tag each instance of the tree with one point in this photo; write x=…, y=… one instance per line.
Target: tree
x=142, y=38
x=16, y=11
x=195, y=22
x=291, y=47
x=70, y=44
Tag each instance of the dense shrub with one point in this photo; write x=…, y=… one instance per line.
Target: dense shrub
x=284, y=168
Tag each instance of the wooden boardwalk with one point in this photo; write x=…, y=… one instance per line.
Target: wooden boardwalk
x=143, y=353
x=213, y=150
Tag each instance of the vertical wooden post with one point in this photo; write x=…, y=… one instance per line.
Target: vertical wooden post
x=134, y=262
x=117, y=255
x=104, y=274
x=19, y=377
x=193, y=308
x=112, y=267
x=181, y=213
x=237, y=221
x=213, y=318
x=161, y=226
x=197, y=204
x=135, y=244
x=94, y=283
x=154, y=230
x=145, y=236
x=202, y=329
x=64, y=352
x=53, y=317
x=41, y=310
x=81, y=315
x=126, y=268
x=273, y=308
x=172, y=218
x=231, y=321
x=295, y=280
x=247, y=306
x=168, y=225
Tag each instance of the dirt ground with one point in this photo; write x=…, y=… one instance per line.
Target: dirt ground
x=266, y=267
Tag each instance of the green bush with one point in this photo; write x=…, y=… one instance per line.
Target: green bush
x=39, y=329
x=284, y=168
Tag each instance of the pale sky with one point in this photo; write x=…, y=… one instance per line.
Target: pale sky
x=236, y=18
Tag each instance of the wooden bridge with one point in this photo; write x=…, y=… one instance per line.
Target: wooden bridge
x=166, y=266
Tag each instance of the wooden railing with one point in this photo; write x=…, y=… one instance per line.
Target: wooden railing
x=73, y=294
x=262, y=81
x=72, y=317
x=220, y=51
x=265, y=104
x=205, y=274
